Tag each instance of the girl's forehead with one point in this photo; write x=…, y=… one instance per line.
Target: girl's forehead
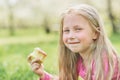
x=74, y=19
x=74, y=15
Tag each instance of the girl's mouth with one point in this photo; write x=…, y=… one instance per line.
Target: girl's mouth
x=74, y=42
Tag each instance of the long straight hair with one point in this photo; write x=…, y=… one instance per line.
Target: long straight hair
x=68, y=59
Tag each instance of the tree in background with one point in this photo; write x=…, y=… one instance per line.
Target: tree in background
x=10, y=17
x=112, y=17
x=46, y=24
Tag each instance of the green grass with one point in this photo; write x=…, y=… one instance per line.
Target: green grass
x=14, y=60
x=15, y=49
x=22, y=32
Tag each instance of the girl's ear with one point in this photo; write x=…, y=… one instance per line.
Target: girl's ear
x=95, y=34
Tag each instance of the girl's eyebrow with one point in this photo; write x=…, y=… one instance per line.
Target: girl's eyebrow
x=76, y=26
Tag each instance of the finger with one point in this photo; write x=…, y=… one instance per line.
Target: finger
x=35, y=66
x=41, y=66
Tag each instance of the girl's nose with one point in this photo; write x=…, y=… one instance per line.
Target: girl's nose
x=71, y=35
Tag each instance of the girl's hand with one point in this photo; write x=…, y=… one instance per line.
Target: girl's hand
x=39, y=70
x=37, y=67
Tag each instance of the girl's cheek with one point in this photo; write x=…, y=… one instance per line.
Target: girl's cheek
x=80, y=35
x=64, y=38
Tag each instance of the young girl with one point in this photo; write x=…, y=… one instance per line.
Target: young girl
x=85, y=50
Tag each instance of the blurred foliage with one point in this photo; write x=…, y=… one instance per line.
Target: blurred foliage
x=29, y=13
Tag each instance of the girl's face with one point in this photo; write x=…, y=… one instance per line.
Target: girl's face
x=78, y=34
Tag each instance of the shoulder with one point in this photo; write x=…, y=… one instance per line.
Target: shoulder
x=106, y=65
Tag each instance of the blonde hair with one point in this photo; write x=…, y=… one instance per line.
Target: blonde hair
x=68, y=59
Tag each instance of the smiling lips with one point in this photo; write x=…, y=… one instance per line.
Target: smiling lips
x=73, y=42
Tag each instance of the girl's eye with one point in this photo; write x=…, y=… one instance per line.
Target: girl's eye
x=66, y=31
x=78, y=29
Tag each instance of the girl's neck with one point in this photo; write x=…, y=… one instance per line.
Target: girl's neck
x=86, y=56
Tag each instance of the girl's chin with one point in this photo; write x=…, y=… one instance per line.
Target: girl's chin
x=75, y=50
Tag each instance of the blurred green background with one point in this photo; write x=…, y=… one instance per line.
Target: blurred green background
x=26, y=24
